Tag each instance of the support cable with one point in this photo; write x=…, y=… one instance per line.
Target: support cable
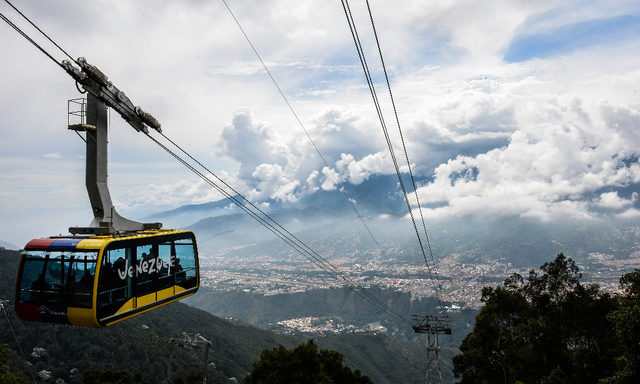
x=432, y=333
x=360, y=51
x=273, y=226
x=4, y=312
x=404, y=147
x=340, y=187
x=39, y=30
x=191, y=357
x=17, y=29
x=145, y=362
x=260, y=216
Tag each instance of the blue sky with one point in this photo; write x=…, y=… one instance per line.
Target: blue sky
x=536, y=100
x=565, y=39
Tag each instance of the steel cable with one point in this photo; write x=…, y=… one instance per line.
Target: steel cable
x=360, y=51
x=340, y=187
x=273, y=226
x=260, y=216
x=39, y=30
x=404, y=147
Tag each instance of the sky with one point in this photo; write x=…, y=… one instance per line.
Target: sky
x=517, y=108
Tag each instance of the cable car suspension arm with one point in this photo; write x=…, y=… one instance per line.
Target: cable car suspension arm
x=98, y=84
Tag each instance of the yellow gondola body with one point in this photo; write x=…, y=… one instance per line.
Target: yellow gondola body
x=96, y=281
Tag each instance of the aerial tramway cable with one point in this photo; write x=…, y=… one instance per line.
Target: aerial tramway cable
x=17, y=29
x=273, y=226
x=367, y=72
x=39, y=30
x=5, y=314
x=338, y=183
x=356, y=39
x=404, y=146
x=250, y=208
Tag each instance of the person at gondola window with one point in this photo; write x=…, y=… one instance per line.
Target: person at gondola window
x=177, y=267
x=87, y=279
x=40, y=284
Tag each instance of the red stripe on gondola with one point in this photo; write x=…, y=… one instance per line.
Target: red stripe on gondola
x=62, y=243
x=39, y=243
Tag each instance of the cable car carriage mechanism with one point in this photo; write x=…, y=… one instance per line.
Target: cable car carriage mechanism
x=115, y=268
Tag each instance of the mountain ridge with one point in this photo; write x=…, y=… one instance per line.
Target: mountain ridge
x=66, y=352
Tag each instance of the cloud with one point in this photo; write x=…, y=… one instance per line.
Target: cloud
x=625, y=121
x=287, y=167
x=611, y=200
x=492, y=145
x=630, y=214
x=557, y=157
x=165, y=195
x=542, y=136
x=273, y=184
x=251, y=143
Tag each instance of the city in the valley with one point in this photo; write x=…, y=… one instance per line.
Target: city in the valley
x=460, y=283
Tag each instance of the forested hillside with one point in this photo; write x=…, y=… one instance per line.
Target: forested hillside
x=141, y=345
x=548, y=327
x=335, y=303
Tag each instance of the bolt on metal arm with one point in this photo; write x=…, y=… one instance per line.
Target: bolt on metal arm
x=96, y=83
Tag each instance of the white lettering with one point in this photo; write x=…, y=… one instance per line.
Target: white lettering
x=146, y=267
x=123, y=274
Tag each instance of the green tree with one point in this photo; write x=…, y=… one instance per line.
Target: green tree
x=627, y=323
x=303, y=365
x=107, y=376
x=547, y=329
x=6, y=376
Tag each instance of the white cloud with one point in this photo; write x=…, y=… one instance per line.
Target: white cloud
x=286, y=167
x=558, y=156
x=166, y=196
x=631, y=213
x=611, y=200
x=527, y=138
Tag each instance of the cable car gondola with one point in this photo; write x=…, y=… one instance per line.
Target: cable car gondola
x=98, y=280
x=114, y=268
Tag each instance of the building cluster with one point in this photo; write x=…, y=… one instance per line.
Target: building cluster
x=460, y=283
x=320, y=327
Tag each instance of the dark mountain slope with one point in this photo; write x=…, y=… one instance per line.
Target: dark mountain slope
x=66, y=352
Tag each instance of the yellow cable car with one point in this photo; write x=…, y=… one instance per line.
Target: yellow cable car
x=96, y=281
x=115, y=268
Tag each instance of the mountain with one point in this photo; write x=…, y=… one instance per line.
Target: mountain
x=522, y=242
x=376, y=195
x=5, y=245
x=189, y=214
x=141, y=345
x=325, y=218
x=336, y=303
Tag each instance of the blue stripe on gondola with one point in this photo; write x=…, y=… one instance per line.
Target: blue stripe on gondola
x=64, y=243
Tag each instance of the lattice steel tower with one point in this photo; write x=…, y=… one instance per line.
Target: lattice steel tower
x=432, y=326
